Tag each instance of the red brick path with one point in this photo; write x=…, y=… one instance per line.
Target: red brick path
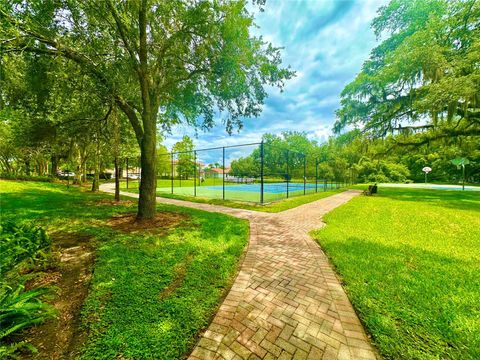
x=286, y=302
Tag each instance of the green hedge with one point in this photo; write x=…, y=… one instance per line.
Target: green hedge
x=8, y=176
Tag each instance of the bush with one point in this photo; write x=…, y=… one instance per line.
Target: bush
x=378, y=178
x=18, y=310
x=382, y=171
x=22, y=243
x=105, y=175
x=9, y=176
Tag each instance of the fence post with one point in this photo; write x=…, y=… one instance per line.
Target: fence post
x=316, y=175
x=262, y=156
x=171, y=171
x=127, y=172
x=223, y=172
x=304, y=174
x=195, y=173
x=288, y=175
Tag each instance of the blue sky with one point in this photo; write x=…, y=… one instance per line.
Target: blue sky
x=326, y=42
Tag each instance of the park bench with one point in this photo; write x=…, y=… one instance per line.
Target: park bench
x=372, y=189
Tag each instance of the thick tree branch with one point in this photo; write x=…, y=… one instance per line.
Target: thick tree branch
x=420, y=127
x=130, y=47
x=54, y=48
x=132, y=117
x=446, y=133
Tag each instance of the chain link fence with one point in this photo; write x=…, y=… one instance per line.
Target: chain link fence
x=255, y=172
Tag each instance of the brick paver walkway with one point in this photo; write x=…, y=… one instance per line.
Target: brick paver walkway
x=286, y=302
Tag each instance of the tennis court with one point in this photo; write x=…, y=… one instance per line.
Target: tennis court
x=251, y=192
x=255, y=172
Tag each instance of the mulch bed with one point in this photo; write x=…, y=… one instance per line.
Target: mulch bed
x=163, y=220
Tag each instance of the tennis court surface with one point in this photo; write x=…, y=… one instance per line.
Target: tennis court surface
x=251, y=192
x=256, y=172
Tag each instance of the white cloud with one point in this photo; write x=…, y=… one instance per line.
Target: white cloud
x=326, y=42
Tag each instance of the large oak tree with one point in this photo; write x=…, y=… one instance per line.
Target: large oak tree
x=162, y=62
x=423, y=79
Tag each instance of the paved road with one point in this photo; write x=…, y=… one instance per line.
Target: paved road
x=286, y=302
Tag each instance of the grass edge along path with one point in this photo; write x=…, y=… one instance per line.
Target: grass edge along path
x=151, y=292
x=273, y=207
x=409, y=261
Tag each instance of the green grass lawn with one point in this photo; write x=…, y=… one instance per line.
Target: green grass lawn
x=273, y=207
x=151, y=292
x=410, y=261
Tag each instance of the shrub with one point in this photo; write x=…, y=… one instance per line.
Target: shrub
x=22, y=243
x=20, y=309
x=378, y=178
x=105, y=175
x=9, y=176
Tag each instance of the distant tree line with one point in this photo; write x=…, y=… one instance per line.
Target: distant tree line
x=359, y=157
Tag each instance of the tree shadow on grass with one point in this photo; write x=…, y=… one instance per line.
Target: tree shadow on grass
x=414, y=302
x=170, y=285
x=126, y=311
x=31, y=204
x=461, y=200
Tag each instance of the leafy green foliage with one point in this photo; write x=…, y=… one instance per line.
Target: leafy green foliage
x=409, y=260
x=290, y=147
x=20, y=309
x=425, y=71
x=11, y=176
x=381, y=171
x=162, y=63
x=380, y=160
x=185, y=166
x=152, y=292
x=20, y=243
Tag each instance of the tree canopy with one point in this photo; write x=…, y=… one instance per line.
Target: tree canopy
x=423, y=79
x=160, y=62
x=355, y=156
x=185, y=165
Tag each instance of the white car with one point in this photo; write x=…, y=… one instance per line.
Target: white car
x=135, y=176
x=66, y=174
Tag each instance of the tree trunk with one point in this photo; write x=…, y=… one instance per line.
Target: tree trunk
x=117, y=180
x=148, y=143
x=83, y=164
x=54, y=169
x=27, y=167
x=116, y=145
x=148, y=181
x=84, y=171
x=96, y=178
